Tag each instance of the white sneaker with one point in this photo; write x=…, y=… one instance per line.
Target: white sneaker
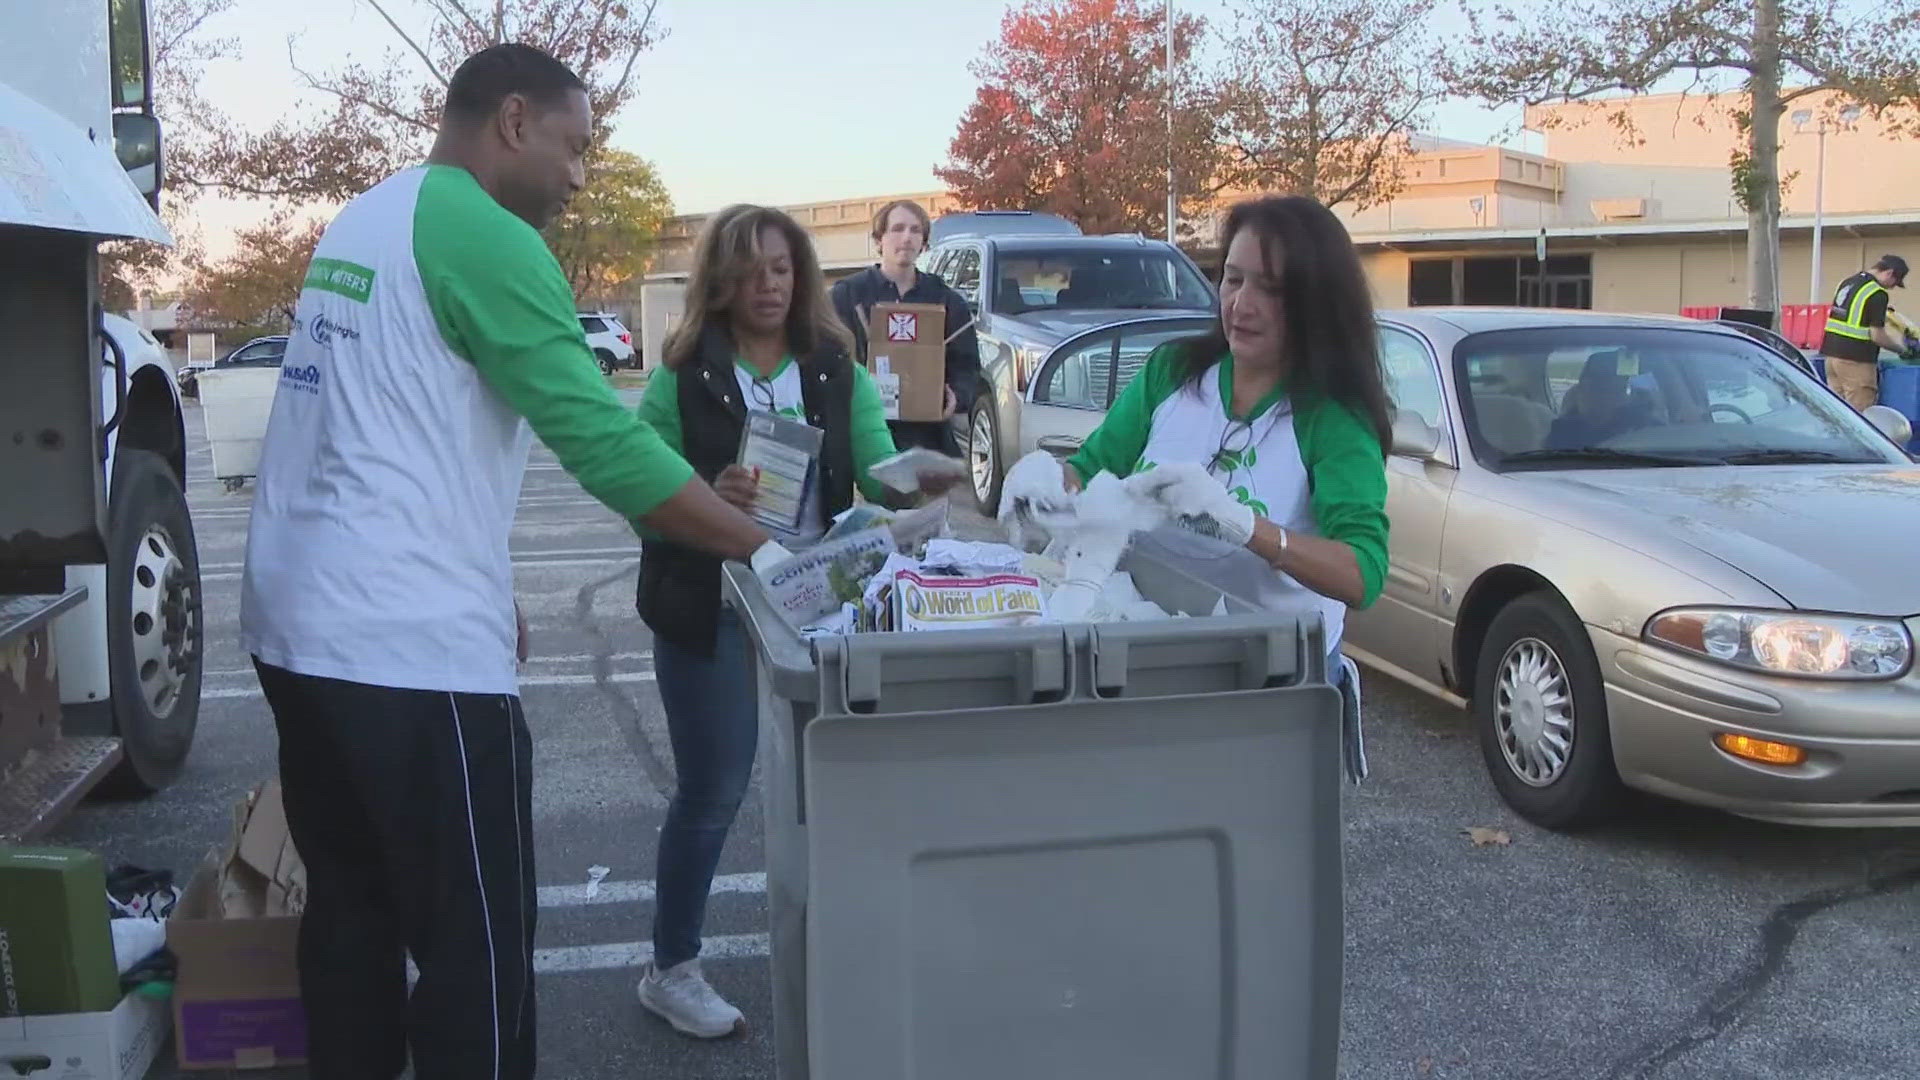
x=680, y=996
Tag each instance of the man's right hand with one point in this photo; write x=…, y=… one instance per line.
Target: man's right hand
x=699, y=517
x=737, y=485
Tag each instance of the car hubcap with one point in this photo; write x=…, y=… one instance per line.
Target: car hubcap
x=1533, y=712
x=980, y=449
x=164, y=613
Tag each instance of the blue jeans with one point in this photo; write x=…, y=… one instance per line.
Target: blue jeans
x=713, y=720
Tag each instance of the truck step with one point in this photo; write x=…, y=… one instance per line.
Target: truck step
x=20, y=614
x=41, y=789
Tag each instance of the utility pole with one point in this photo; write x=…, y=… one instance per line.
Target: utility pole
x=1173, y=207
x=1821, y=292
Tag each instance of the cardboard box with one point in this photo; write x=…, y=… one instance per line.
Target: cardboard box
x=235, y=933
x=119, y=1044
x=907, y=357
x=56, y=945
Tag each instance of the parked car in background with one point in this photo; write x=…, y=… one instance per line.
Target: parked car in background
x=259, y=352
x=611, y=342
x=1647, y=553
x=1030, y=294
x=1774, y=340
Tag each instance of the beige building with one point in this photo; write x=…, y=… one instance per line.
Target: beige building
x=842, y=232
x=1641, y=224
x=1647, y=224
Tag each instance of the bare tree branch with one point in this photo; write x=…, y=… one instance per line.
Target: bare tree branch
x=411, y=44
x=378, y=108
x=457, y=8
x=619, y=87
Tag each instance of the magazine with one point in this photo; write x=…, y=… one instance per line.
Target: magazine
x=817, y=581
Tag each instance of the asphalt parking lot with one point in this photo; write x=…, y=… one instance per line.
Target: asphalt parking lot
x=1680, y=944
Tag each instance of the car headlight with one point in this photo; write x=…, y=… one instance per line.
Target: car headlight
x=1788, y=642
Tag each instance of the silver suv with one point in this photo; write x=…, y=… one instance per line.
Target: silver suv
x=1031, y=293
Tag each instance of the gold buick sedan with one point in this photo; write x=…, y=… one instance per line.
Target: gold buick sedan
x=1645, y=552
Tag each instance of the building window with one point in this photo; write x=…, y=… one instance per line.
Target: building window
x=1502, y=281
x=1430, y=281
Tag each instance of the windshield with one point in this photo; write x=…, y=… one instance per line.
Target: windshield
x=1593, y=397
x=1085, y=280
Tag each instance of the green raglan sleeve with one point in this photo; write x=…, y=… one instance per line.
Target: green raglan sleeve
x=660, y=407
x=1349, y=479
x=660, y=410
x=501, y=302
x=1115, y=446
x=872, y=441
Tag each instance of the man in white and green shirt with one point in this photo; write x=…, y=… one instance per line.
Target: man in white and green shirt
x=434, y=327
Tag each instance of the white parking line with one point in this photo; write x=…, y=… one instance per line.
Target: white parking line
x=632, y=954
x=227, y=571
x=569, y=658
x=242, y=693
x=638, y=892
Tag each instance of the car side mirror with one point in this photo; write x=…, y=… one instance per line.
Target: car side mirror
x=1413, y=437
x=1891, y=422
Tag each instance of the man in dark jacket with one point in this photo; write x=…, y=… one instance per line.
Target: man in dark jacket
x=900, y=232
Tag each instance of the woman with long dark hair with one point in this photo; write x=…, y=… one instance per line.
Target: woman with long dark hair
x=757, y=335
x=1269, y=430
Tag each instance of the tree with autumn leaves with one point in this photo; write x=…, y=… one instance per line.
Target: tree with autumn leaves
x=382, y=117
x=258, y=284
x=1071, y=116
x=1309, y=96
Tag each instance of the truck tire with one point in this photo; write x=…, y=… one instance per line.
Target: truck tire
x=154, y=624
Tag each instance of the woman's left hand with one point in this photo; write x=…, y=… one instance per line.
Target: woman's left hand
x=1191, y=493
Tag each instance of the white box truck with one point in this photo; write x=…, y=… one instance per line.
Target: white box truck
x=100, y=601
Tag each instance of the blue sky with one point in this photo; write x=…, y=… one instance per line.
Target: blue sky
x=775, y=101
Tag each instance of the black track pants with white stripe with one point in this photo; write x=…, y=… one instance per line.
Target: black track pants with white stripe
x=412, y=810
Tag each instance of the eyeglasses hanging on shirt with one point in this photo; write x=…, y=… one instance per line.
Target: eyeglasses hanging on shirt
x=762, y=391
x=1236, y=452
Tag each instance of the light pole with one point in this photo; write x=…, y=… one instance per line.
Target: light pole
x=1173, y=209
x=1801, y=118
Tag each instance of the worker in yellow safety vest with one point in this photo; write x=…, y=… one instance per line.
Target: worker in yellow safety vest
x=1857, y=330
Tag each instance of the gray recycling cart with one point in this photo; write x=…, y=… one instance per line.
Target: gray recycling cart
x=1056, y=851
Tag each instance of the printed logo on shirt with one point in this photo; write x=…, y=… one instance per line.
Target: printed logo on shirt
x=323, y=330
x=305, y=379
x=351, y=280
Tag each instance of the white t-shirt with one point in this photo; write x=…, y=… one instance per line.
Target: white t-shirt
x=430, y=322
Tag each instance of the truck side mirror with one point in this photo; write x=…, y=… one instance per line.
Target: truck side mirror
x=136, y=142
